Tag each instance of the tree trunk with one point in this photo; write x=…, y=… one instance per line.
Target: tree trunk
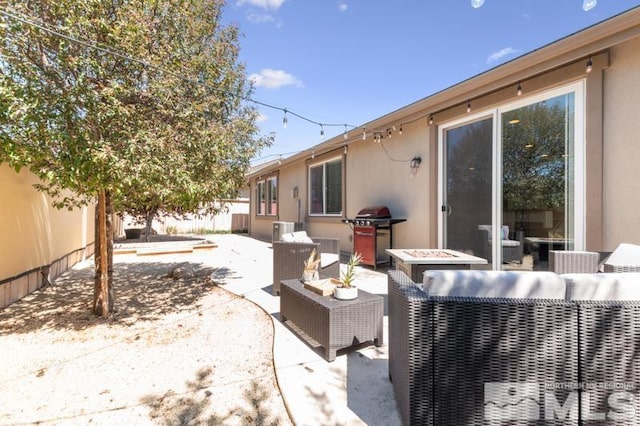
x=103, y=300
x=148, y=226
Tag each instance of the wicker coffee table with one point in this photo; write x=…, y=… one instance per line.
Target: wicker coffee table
x=334, y=324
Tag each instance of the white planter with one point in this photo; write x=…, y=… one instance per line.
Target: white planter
x=345, y=293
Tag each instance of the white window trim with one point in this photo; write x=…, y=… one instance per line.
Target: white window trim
x=578, y=88
x=267, y=199
x=324, y=187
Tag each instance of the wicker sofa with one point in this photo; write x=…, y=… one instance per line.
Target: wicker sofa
x=289, y=257
x=462, y=332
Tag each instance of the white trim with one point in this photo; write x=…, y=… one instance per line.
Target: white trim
x=578, y=88
x=324, y=187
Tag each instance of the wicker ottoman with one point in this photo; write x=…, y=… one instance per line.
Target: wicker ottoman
x=334, y=324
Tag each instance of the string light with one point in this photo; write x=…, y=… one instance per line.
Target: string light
x=587, y=5
x=113, y=52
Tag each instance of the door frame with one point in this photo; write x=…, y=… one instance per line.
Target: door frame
x=579, y=213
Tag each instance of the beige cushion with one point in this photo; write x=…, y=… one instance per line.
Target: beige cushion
x=327, y=259
x=506, y=284
x=608, y=286
x=625, y=254
x=296, y=237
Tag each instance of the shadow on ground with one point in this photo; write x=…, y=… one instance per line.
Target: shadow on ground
x=158, y=238
x=198, y=404
x=143, y=292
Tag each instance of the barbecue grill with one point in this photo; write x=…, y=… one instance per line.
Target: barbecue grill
x=367, y=228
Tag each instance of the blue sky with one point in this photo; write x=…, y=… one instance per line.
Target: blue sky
x=351, y=61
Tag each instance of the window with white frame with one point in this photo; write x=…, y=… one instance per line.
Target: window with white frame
x=325, y=188
x=267, y=196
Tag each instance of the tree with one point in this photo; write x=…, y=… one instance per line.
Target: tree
x=138, y=104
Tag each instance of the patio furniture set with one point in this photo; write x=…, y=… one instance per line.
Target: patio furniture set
x=488, y=347
x=470, y=347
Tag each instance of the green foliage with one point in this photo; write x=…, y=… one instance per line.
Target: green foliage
x=350, y=274
x=86, y=120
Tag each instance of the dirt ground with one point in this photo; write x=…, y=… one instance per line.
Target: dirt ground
x=178, y=351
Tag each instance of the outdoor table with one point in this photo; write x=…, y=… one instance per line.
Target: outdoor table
x=334, y=324
x=414, y=262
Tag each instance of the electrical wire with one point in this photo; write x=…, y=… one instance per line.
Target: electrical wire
x=28, y=20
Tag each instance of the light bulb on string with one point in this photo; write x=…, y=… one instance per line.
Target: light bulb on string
x=364, y=134
x=285, y=121
x=345, y=131
x=519, y=90
x=321, y=132
x=430, y=119
x=589, y=65
x=400, y=130
x=469, y=106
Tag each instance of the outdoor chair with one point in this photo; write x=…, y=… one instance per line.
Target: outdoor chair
x=444, y=350
x=625, y=258
x=569, y=261
x=512, y=243
x=289, y=257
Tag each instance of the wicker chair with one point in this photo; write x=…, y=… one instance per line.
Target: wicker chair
x=444, y=350
x=570, y=262
x=288, y=259
x=609, y=335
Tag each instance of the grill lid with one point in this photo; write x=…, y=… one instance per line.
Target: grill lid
x=378, y=212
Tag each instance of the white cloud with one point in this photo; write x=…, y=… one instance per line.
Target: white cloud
x=259, y=18
x=274, y=79
x=264, y=4
x=496, y=56
x=342, y=6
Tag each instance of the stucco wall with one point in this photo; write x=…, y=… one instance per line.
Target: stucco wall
x=378, y=174
x=621, y=158
x=34, y=233
x=372, y=177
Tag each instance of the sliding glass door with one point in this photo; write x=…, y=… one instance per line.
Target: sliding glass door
x=514, y=191
x=468, y=180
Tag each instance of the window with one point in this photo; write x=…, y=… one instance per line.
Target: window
x=520, y=168
x=267, y=197
x=325, y=188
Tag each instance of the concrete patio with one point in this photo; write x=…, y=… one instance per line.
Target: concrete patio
x=354, y=389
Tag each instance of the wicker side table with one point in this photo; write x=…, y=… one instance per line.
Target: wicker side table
x=334, y=324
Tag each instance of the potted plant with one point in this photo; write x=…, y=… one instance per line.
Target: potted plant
x=310, y=271
x=346, y=290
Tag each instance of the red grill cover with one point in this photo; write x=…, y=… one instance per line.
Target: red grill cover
x=379, y=212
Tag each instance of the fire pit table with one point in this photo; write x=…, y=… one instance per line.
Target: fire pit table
x=414, y=262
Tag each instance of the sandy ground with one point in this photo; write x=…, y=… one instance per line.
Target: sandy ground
x=178, y=351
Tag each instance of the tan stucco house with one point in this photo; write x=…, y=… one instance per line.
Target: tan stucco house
x=543, y=150
x=37, y=241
